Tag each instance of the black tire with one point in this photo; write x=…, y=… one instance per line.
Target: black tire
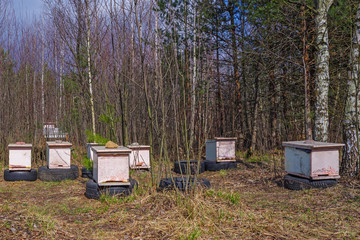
x=94, y=191
x=133, y=184
x=120, y=191
x=299, y=183
x=217, y=166
x=181, y=167
x=53, y=175
x=181, y=184
x=20, y=175
x=86, y=173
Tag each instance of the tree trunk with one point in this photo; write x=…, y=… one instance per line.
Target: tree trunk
x=255, y=116
x=193, y=87
x=322, y=78
x=42, y=73
x=305, y=59
x=350, y=161
x=89, y=67
x=235, y=63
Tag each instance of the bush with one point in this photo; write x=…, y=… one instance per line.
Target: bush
x=87, y=163
x=95, y=138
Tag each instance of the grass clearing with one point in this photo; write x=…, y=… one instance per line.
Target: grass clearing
x=244, y=203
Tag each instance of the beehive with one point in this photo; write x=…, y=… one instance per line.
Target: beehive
x=220, y=149
x=313, y=160
x=111, y=166
x=58, y=154
x=20, y=156
x=90, y=153
x=139, y=156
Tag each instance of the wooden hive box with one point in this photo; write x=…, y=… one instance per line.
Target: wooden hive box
x=312, y=160
x=139, y=156
x=111, y=166
x=20, y=156
x=58, y=154
x=90, y=154
x=220, y=149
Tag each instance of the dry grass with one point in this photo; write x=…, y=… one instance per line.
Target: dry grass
x=244, y=203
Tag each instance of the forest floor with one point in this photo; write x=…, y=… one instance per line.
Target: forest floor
x=244, y=203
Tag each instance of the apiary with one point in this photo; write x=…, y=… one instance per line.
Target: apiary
x=220, y=149
x=139, y=156
x=20, y=156
x=58, y=154
x=90, y=154
x=111, y=166
x=312, y=160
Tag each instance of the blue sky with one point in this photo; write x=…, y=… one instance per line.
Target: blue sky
x=27, y=8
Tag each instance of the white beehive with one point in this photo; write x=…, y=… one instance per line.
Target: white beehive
x=111, y=166
x=20, y=156
x=139, y=156
x=90, y=154
x=313, y=160
x=58, y=154
x=220, y=149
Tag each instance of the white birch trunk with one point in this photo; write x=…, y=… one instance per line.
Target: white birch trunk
x=42, y=73
x=193, y=86
x=350, y=161
x=89, y=68
x=322, y=78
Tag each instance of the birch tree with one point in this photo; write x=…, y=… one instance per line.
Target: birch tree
x=350, y=163
x=89, y=67
x=322, y=77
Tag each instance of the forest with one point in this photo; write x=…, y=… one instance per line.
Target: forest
x=175, y=73
x=172, y=74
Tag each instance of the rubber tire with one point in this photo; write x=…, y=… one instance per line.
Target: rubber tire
x=94, y=191
x=55, y=175
x=193, y=167
x=20, y=175
x=299, y=183
x=85, y=173
x=217, y=166
x=180, y=183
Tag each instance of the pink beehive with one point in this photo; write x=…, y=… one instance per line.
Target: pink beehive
x=58, y=154
x=111, y=166
x=20, y=156
x=139, y=156
x=313, y=160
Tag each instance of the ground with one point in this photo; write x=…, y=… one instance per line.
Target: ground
x=244, y=203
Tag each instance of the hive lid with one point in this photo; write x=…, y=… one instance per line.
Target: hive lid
x=58, y=144
x=136, y=145
x=103, y=149
x=22, y=145
x=94, y=144
x=225, y=138
x=309, y=144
